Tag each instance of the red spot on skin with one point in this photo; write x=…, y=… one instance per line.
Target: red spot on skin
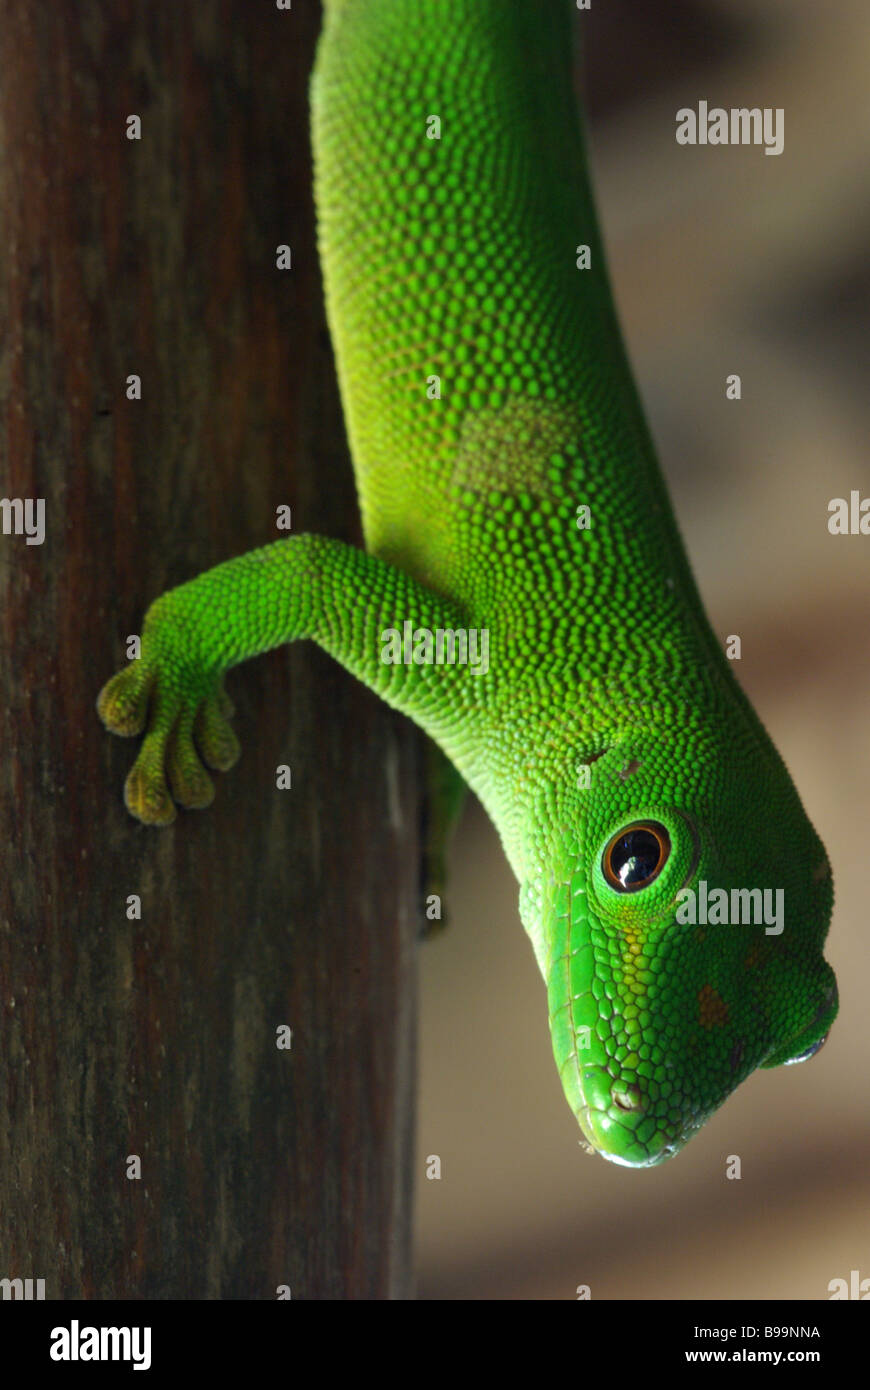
x=712, y=1009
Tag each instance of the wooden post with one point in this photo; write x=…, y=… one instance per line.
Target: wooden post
x=150, y=1032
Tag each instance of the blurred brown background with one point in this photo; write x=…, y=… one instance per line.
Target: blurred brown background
x=723, y=260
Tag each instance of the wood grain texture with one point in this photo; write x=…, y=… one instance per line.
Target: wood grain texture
x=157, y=1037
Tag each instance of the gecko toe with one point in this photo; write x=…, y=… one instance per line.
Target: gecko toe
x=189, y=782
x=214, y=737
x=122, y=703
x=146, y=793
x=224, y=703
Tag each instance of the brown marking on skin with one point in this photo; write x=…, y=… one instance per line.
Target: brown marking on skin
x=629, y=770
x=821, y=871
x=712, y=1009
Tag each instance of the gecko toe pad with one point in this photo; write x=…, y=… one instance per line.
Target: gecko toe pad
x=214, y=737
x=122, y=703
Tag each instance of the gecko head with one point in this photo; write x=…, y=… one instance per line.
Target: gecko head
x=682, y=922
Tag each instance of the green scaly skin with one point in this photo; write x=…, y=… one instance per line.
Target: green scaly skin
x=456, y=258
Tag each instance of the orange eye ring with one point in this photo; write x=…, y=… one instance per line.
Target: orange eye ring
x=635, y=856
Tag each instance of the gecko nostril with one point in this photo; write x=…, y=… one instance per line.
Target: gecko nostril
x=627, y=1096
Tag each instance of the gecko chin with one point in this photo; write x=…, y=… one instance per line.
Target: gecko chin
x=649, y=1161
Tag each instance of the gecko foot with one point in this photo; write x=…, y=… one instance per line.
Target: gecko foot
x=185, y=714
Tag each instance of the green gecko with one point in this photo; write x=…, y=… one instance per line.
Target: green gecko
x=510, y=491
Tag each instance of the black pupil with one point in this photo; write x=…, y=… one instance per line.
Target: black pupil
x=635, y=857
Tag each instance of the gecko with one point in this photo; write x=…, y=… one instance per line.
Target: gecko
x=524, y=594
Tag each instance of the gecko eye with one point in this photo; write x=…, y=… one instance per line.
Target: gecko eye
x=809, y=1052
x=636, y=856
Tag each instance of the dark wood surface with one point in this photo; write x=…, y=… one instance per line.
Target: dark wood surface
x=157, y=1037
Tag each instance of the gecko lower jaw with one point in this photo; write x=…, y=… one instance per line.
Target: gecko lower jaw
x=652, y=1161
x=617, y=1142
